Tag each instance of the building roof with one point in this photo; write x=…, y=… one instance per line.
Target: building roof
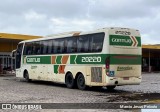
x=17, y=36
x=151, y=46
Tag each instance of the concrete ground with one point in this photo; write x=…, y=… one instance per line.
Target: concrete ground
x=14, y=90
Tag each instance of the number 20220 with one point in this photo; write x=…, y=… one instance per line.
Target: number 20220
x=91, y=59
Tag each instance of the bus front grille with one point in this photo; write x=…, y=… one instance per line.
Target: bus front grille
x=96, y=74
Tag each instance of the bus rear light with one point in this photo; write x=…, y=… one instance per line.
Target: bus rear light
x=107, y=66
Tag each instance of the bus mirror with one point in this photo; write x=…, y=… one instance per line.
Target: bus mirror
x=13, y=54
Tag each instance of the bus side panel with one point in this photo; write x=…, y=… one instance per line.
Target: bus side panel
x=75, y=69
x=96, y=75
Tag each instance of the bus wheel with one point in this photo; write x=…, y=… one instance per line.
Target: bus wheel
x=81, y=82
x=26, y=77
x=110, y=88
x=69, y=80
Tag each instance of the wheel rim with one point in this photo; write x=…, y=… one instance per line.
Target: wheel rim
x=81, y=81
x=69, y=80
x=26, y=76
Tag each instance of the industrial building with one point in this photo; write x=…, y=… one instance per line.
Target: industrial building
x=8, y=42
x=151, y=58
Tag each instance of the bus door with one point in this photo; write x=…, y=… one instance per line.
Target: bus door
x=18, y=57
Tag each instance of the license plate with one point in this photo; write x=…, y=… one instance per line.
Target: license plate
x=125, y=78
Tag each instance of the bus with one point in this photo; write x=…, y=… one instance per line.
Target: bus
x=106, y=57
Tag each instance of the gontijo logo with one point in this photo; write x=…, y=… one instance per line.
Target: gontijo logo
x=120, y=40
x=33, y=60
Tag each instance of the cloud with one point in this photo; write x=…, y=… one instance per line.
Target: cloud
x=59, y=24
x=44, y=17
x=32, y=15
x=118, y=9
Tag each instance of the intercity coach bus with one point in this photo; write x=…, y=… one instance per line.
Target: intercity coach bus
x=107, y=57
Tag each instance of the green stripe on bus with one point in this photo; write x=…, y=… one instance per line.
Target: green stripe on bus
x=72, y=59
x=38, y=60
x=55, y=67
x=89, y=59
x=121, y=40
x=125, y=59
x=58, y=59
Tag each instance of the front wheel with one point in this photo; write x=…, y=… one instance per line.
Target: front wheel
x=26, y=77
x=81, y=82
x=110, y=88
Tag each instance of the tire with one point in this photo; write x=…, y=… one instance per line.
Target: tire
x=110, y=88
x=81, y=82
x=69, y=80
x=26, y=77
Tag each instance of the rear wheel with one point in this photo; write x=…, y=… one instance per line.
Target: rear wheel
x=110, y=88
x=69, y=80
x=81, y=82
x=26, y=77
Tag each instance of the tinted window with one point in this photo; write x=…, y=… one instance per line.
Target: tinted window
x=83, y=43
x=60, y=48
x=28, y=49
x=96, y=42
x=50, y=48
x=71, y=45
x=55, y=46
x=44, y=47
x=36, y=48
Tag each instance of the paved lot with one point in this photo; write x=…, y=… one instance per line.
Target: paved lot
x=150, y=84
x=17, y=90
x=13, y=90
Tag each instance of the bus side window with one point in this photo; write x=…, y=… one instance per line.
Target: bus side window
x=29, y=52
x=34, y=48
x=79, y=45
x=86, y=44
x=55, y=48
x=71, y=45
x=83, y=43
x=74, y=45
x=96, y=42
x=28, y=49
x=66, y=43
x=37, y=47
x=60, y=48
x=45, y=47
x=50, y=44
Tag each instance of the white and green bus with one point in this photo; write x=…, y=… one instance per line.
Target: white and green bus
x=107, y=57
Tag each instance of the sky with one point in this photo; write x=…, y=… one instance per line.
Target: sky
x=46, y=17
